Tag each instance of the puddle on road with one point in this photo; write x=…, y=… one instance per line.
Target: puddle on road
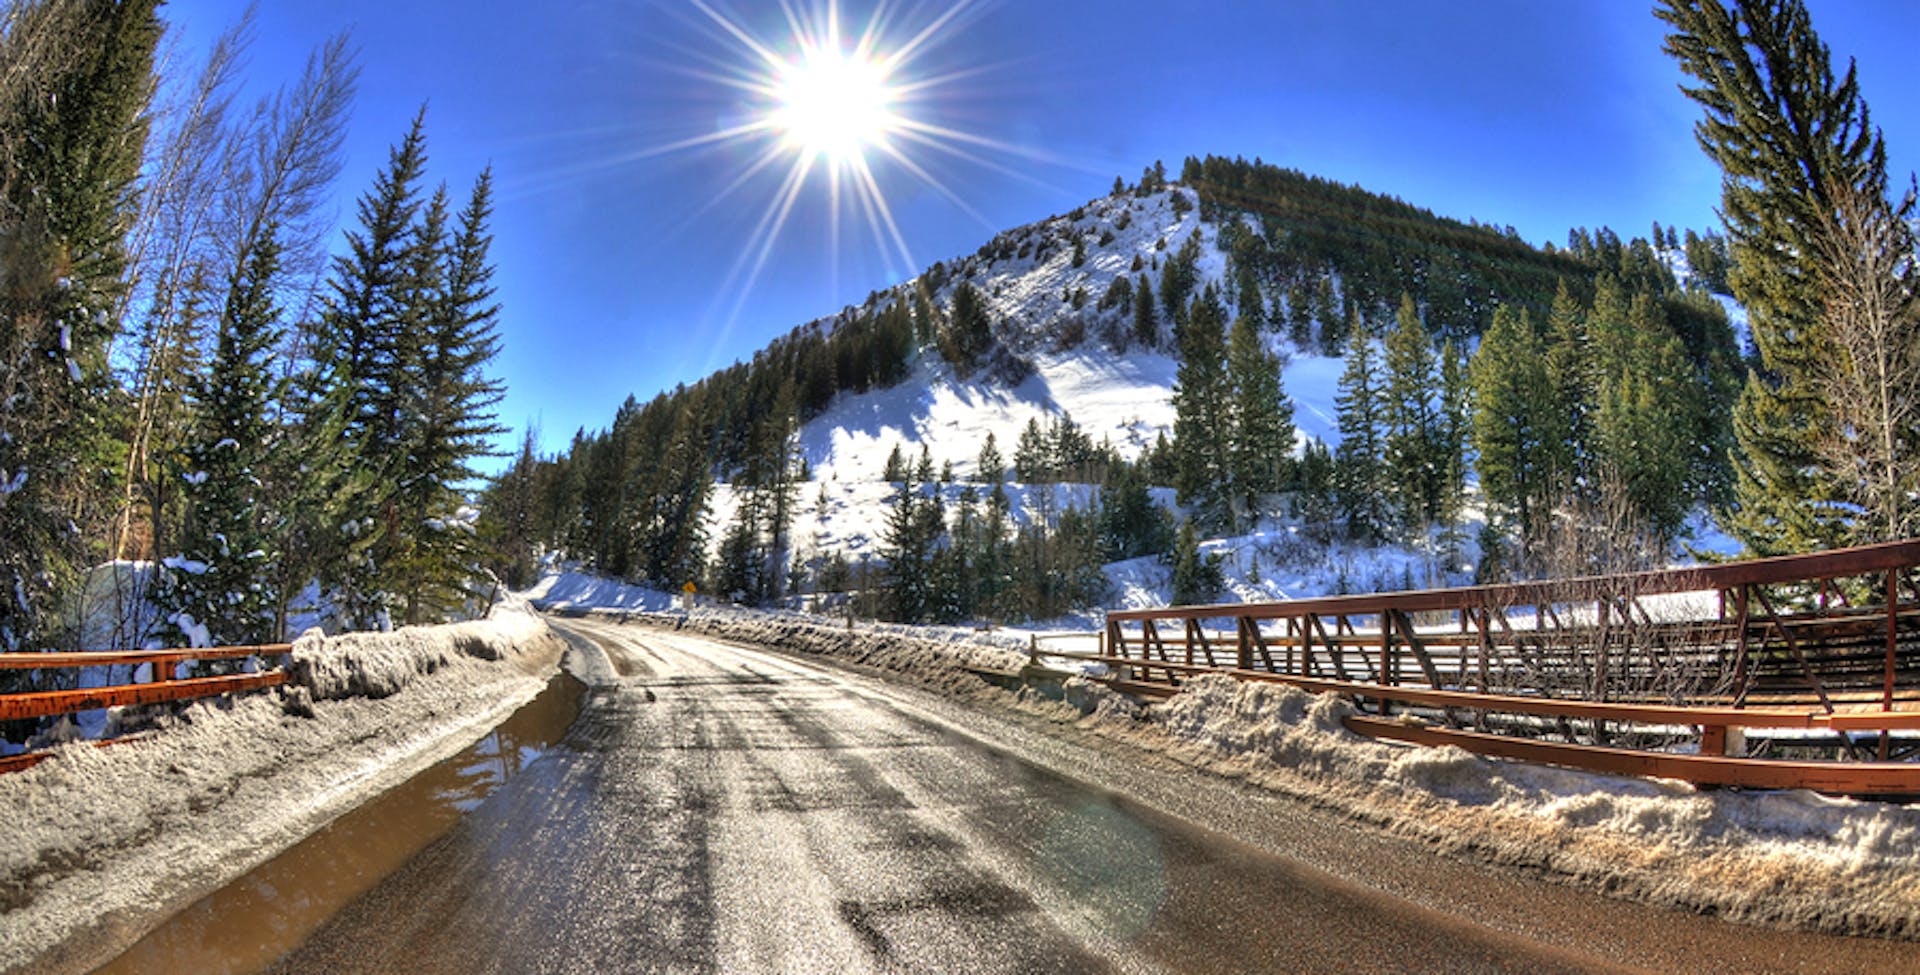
x=245, y=926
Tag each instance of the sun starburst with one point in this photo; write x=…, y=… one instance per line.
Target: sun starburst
x=840, y=109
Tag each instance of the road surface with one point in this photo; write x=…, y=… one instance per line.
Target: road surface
x=723, y=809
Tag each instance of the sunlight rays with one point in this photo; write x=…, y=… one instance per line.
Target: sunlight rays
x=861, y=113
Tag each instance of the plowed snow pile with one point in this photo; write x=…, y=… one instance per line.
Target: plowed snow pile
x=103, y=842
x=1787, y=858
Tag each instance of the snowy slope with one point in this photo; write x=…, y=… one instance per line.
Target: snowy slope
x=1083, y=362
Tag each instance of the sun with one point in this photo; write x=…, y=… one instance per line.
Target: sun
x=844, y=110
x=833, y=104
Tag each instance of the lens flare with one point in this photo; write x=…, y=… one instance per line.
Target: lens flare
x=834, y=104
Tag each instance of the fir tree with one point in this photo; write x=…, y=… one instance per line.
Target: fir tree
x=1260, y=448
x=363, y=354
x=452, y=423
x=1791, y=140
x=1358, y=475
x=218, y=589
x=1146, y=324
x=1513, y=418
x=969, y=330
x=989, y=468
x=73, y=127
x=1572, y=378
x=1411, y=446
x=1197, y=578
x=1202, y=404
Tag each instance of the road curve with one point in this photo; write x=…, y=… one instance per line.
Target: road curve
x=723, y=809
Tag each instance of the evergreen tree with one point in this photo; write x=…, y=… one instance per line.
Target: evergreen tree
x=1645, y=422
x=1358, y=475
x=1131, y=524
x=1455, y=427
x=365, y=356
x=914, y=525
x=969, y=330
x=1572, y=377
x=73, y=127
x=1513, y=416
x=1411, y=460
x=510, y=516
x=1197, y=578
x=1203, y=404
x=1180, y=274
x=451, y=422
x=217, y=590
x=1146, y=324
x=1260, y=447
x=1032, y=456
x=1318, y=511
x=989, y=468
x=1792, y=141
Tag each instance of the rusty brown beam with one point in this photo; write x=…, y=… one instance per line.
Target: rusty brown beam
x=41, y=704
x=108, y=658
x=1840, y=563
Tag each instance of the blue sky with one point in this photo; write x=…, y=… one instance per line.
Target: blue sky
x=620, y=266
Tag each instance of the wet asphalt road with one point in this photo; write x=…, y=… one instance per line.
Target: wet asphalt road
x=729, y=810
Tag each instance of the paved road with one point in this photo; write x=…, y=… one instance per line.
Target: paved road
x=729, y=810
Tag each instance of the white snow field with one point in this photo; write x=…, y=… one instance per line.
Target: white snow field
x=1085, y=363
x=1792, y=859
x=102, y=843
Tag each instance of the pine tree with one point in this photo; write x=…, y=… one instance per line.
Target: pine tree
x=1411, y=444
x=362, y=354
x=510, y=516
x=73, y=128
x=1146, y=324
x=1571, y=375
x=989, y=468
x=1513, y=419
x=1792, y=141
x=909, y=538
x=1131, y=524
x=218, y=588
x=1180, y=274
x=1260, y=447
x=1202, y=404
x=1197, y=578
x=969, y=330
x=1359, y=463
x=1645, y=420
x=1455, y=426
x=453, y=423
x=1317, y=509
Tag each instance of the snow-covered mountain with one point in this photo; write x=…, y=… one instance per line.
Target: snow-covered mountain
x=1055, y=355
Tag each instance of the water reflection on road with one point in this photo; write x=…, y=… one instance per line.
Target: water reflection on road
x=247, y=924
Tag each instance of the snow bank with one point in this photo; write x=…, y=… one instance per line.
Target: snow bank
x=1792, y=859
x=940, y=657
x=102, y=843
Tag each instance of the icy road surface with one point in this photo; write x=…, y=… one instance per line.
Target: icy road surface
x=720, y=809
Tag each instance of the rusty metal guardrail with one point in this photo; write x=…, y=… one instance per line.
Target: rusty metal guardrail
x=163, y=686
x=1822, y=647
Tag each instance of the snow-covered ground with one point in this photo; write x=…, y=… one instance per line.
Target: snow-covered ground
x=1084, y=362
x=1794, y=859
x=103, y=842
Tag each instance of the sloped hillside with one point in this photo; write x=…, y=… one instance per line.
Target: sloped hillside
x=777, y=479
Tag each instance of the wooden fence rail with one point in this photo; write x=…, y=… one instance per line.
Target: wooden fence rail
x=1825, y=645
x=162, y=686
